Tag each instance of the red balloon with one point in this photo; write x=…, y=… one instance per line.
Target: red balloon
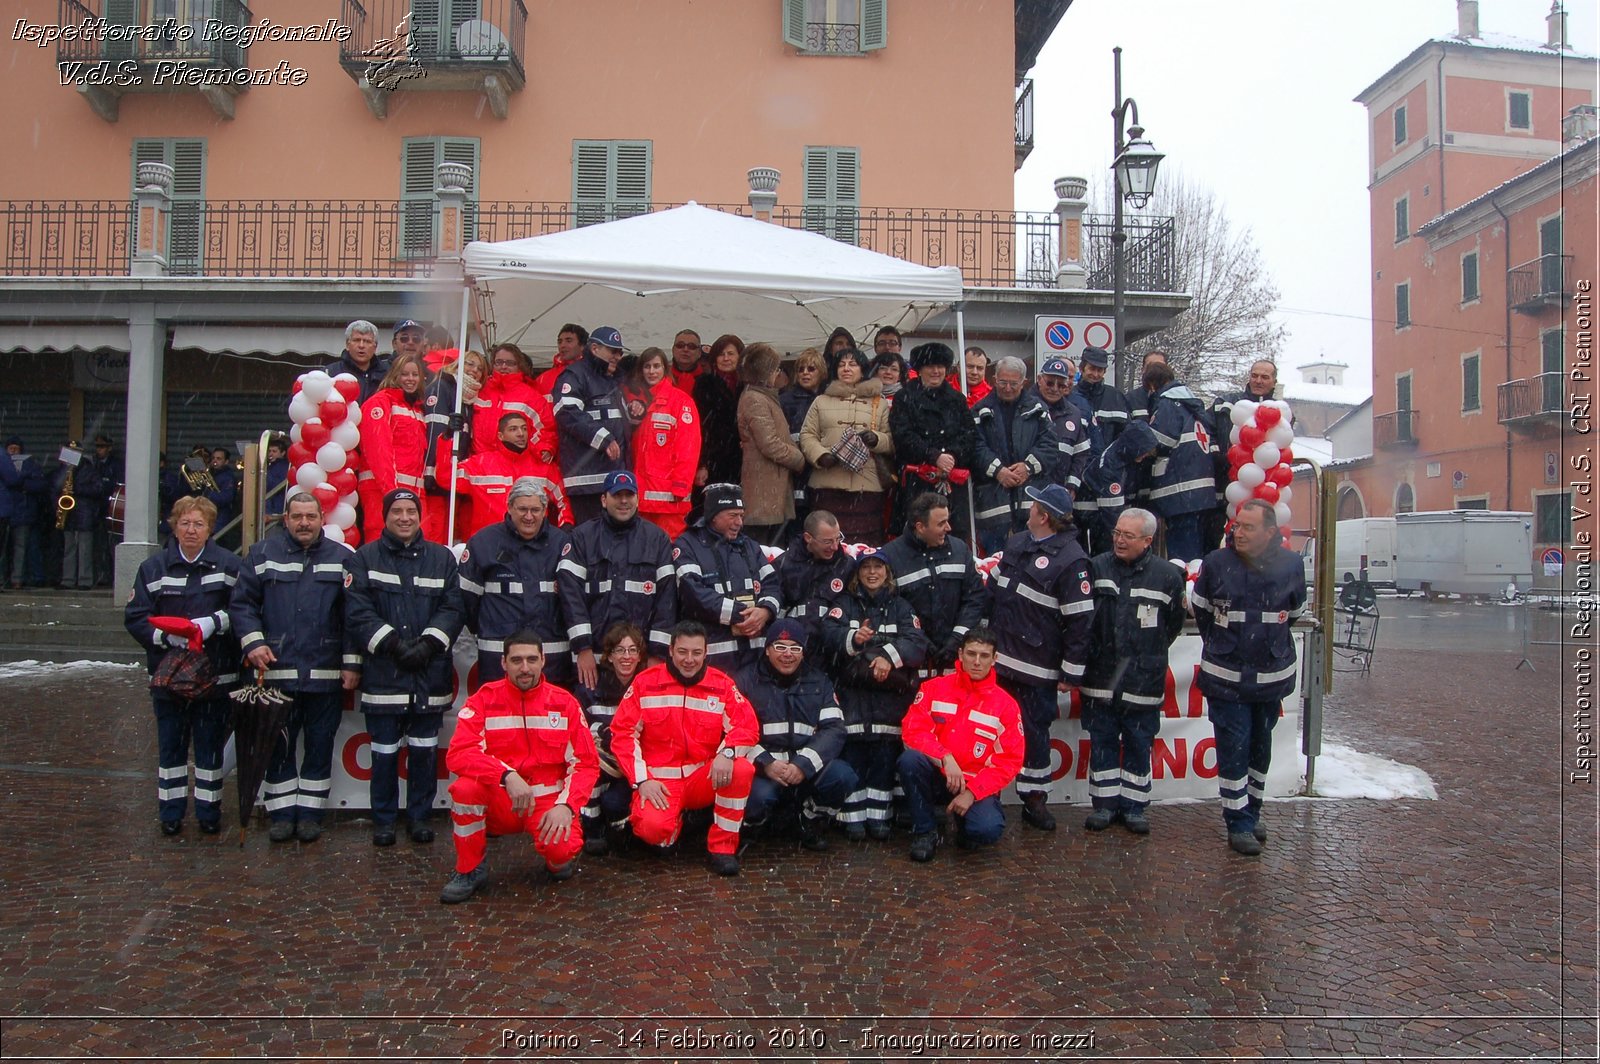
x=332, y=412
x=300, y=454
x=1268, y=416
x=326, y=496
x=344, y=482
x=1281, y=475
x=350, y=391
x=296, y=389
x=1249, y=436
x=1267, y=491
x=1239, y=454
x=1285, y=455
x=313, y=433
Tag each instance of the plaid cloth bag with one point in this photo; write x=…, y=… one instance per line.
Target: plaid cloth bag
x=185, y=674
x=851, y=450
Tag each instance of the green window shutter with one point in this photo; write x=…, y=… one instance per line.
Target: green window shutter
x=631, y=178
x=794, y=23
x=874, y=24
x=465, y=150
x=426, y=16
x=610, y=179
x=457, y=12
x=121, y=13
x=1469, y=383
x=832, y=189
x=418, y=160
x=186, y=224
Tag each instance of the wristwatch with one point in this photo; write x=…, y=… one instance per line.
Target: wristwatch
x=727, y=752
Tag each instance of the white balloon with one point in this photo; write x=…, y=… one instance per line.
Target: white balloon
x=316, y=385
x=1266, y=455
x=352, y=500
x=309, y=476
x=331, y=457
x=1237, y=492
x=1251, y=475
x=347, y=436
x=1233, y=511
x=355, y=415
x=344, y=516
x=1280, y=435
x=1285, y=515
x=1243, y=412
x=1285, y=494
x=1233, y=436
x=294, y=432
x=333, y=532
x=301, y=407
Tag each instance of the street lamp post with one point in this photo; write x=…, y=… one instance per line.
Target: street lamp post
x=1134, y=160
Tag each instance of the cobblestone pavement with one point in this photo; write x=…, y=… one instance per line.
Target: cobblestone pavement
x=1461, y=928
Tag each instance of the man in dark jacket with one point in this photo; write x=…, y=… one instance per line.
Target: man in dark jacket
x=1260, y=386
x=812, y=573
x=288, y=612
x=1053, y=388
x=87, y=514
x=1141, y=397
x=933, y=434
x=403, y=609
x=1245, y=600
x=935, y=573
x=725, y=582
x=1040, y=608
x=802, y=736
x=23, y=481
x=1138, y=612
x=1016, y=446
x=593, y=418
x=508, y=584
x=1182, y=481
x=360, y=357
x=1109, y=406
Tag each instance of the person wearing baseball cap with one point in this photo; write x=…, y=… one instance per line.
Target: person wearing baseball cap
x=410, y=338
x=1053, y=388
x=1108, y=407
x=725, y=581
x=592, y=415
x=403, y=608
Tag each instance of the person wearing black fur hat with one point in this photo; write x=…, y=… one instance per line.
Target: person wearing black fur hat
x=933, y=435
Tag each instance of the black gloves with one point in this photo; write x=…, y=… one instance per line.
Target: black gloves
x=869, y=438
x=827, y=461
x=414, y=654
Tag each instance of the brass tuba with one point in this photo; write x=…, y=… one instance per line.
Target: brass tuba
x=66, y=503
x=197, y=472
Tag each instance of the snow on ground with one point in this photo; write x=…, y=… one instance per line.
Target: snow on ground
x=1342, y=772
x=54, y=670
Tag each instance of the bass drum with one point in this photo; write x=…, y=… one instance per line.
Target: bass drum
x=115, y=508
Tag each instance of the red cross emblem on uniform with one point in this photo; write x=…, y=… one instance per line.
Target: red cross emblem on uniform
x=837, y=585
x=1041, y=563
x=1283, y=615
x=1115, y=489
x=649, y=587
x=1201, y=436
x=555, y=718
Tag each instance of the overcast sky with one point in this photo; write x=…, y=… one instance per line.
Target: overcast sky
x=1254, y=99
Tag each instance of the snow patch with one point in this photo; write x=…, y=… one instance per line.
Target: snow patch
x=1343, y=772
x=49, y=670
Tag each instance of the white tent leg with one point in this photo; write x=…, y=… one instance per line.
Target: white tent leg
x=961, y=349
x=455, y=437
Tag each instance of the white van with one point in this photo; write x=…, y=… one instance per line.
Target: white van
x=1364, y=548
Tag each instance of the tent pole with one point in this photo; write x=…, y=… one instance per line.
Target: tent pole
x=455, y=434
x=961, y=386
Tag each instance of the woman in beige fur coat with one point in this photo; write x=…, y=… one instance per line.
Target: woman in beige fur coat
x=850, y=405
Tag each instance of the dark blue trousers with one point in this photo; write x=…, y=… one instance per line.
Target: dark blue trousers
x=420, y=733
x=821, y=795
x=177, y=722
x=1119, y=754
x=1244, y=752
x=291, y=795
x=1040, y=708
x=872, y=762
x=926, y=793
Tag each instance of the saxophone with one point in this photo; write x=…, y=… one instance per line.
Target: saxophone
x=66, y=504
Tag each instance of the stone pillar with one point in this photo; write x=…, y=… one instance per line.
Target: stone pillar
x=1070, y=205
x=763, y=191
x=152, y=214
x=451, y=194
x=147, y=341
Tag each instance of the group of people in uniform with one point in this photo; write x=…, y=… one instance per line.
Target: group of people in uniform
x=625, y=678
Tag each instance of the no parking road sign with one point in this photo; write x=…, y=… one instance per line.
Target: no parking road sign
x=1059, y=335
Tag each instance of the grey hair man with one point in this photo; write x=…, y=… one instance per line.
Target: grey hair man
x=360, y=358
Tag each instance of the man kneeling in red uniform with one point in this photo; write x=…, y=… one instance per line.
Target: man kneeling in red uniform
x=681, y=737
x=963, y=738
x=524, y=760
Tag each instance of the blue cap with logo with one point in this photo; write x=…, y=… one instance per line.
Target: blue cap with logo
x=620, y=480
x=1055, y=367
x=607, y=336
x=409, y=323
x=1096, y=356
x=1053, y=497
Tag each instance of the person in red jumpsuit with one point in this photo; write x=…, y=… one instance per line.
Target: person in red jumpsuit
x=666, y=444
x=524, y=760
x=681, y=737
x=394, y=440
x=964, y=744
x=485, y=479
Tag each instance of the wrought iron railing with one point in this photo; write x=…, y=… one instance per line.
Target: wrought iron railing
x=1396, y=429
x=362, y=238
x=839, y=38
x=149, y=32
x=1531, y=397
x=1024, y=121
x=1539, y=282
x=1149, y=256
x=390, y=42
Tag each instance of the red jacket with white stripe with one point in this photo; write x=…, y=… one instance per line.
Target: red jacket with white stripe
x=394, y=439
x=666, y=730
x=666, y=451
x=512, y=393
x=974, y=721
x=539, y=734
x=485, y=480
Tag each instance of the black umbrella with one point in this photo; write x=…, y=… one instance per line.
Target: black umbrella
x=260, y=719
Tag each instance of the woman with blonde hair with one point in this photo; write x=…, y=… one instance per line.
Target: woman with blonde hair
x=394, y=440
x=439, y=403
x=846, y=439
x=666, y=442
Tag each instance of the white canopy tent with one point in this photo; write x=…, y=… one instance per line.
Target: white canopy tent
x=697, y=268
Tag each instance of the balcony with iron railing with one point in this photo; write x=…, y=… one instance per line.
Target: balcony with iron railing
x=833, y=38
x=457, y=46
x=1533, y=404
x=109, y=48
x=1023, y=121
x=1540, y=283
x=390, y=238
x=1395, y=431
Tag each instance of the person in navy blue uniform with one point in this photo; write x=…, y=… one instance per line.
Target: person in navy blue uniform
x=403, y=609
x=226, y=495
x=1245, y=600
x=1016, y=447
x=277, y=474
x=508, y=583
x=1040, y=606
x=1109, y=407
x=288, y=613
x=725, y=581
x=1182, y=479
x=812, y=573
x=935, y=573
x=593, y=418
x=1110, y=482
x=23, y=485
x=191, y=578
x=1053, y=388
x=798, y=762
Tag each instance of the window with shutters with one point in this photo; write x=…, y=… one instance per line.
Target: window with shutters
x=610, y=180
x=1469, y=277
x=833, y=193
x=186, y=224
x=1470, y=402
x=836, y=27
x=1402, y=218
x=436, y=25
x=1402, y=305
x=1519, y=110
x=419, y=206
x=1399, y=125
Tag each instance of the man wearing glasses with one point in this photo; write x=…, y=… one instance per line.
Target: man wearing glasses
x=688, y=360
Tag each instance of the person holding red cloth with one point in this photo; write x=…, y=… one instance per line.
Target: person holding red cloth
x=524, y=761
x=681, y=737
x=964, y=744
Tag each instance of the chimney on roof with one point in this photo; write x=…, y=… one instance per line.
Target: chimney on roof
x=1581, y=124
x=1466, y=19
x=1556, y=20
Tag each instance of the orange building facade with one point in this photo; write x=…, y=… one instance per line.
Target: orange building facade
x=1483, y=217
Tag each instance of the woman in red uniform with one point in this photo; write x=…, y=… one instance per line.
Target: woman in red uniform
x=394, y=440
x=666, y=444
